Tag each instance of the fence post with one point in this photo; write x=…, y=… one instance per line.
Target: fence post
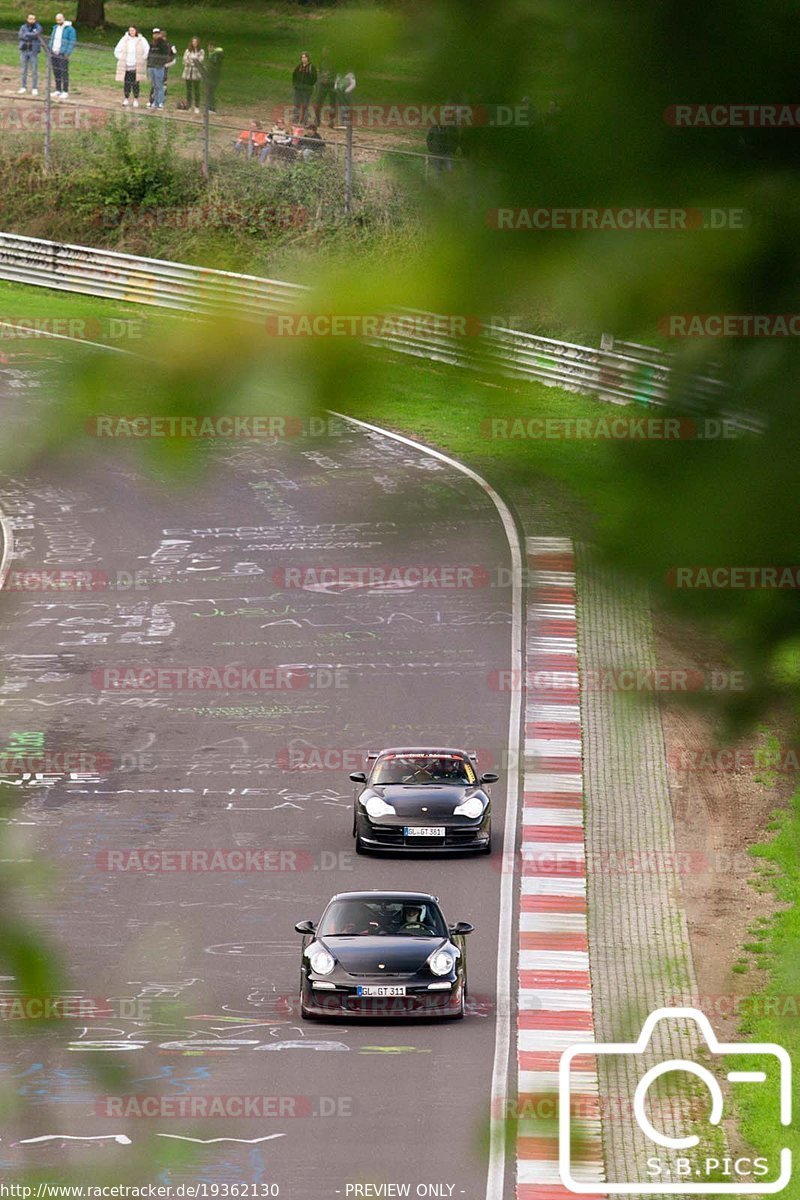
x=206, y=132
x=348, y=163
x=48, y=102
x=206, y=121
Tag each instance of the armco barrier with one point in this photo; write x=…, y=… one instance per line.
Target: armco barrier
x=605, y=373
x=137, y=280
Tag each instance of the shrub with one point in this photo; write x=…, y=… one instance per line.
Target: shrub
x=123, y=168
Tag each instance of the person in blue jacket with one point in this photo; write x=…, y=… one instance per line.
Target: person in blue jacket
x=62, y=43
x=29, y=48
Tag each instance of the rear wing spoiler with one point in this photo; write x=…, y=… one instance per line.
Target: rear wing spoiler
x=472, y=755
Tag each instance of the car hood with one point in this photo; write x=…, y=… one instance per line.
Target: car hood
x=438, y=799
x=401, y=955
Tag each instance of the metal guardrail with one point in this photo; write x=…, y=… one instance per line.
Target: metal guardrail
x=604, y=373
x=132, y=279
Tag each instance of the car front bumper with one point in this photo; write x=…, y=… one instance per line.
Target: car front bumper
x=419, y=1002
x=459, y=837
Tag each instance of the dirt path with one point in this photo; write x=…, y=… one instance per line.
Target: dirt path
x=720, y=808
x=103, y=102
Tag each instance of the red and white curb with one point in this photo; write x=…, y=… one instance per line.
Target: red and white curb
x=554, y=991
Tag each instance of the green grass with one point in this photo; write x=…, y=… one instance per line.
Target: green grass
x=92, y=319
x=444, y=406
x=773, y=1013
x=387, y=45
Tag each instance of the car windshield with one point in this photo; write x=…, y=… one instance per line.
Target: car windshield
x=386, y=916
x=415, y=769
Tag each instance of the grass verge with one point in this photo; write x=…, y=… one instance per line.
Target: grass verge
x=773, y=1012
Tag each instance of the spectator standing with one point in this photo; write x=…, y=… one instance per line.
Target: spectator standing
x=160, y=35
x=62, y=43
x=29, y=48
x=157, y=60
x=326, y=92
x=131, y=53
x=344, y=86
x=173, y=56
x=214, y=62
x=304, y=78
x=193, y=59
x=442, y=143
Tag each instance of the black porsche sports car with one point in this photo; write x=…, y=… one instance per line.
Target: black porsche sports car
x=422, y=800
x=383, y=954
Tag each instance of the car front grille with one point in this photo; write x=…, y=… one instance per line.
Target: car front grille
x=388, y=835
x=460, y=837
x=392, y=835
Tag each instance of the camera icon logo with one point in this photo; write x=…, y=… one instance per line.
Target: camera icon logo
x=675, y=1171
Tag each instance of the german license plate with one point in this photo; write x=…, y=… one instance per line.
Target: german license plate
x=384, y=989
x=424, y=830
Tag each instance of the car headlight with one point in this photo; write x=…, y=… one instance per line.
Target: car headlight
x=321, y=960
x=442, y=962
x=379, y=808
x=472, y=808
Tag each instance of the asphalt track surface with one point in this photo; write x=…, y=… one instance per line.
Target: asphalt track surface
x=198, y=970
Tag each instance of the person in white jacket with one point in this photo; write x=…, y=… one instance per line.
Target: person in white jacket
x=131, y=54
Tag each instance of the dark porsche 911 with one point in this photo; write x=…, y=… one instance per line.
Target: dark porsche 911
x=422, y=800
x=383, y=954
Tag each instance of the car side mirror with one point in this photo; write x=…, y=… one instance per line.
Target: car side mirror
x=489, y=777
x=462, y=927
x=358, y=777
x=305, y=927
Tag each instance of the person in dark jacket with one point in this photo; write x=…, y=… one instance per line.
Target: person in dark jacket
x=168, y=64
x=29, y=47
x=173, y=58
x=304, y=78
x=442, y=143
x=326, y=92
x=160, y=54
x=214, y=60
x=311, y=143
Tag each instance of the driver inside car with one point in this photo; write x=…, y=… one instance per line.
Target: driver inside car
x=412, y=921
